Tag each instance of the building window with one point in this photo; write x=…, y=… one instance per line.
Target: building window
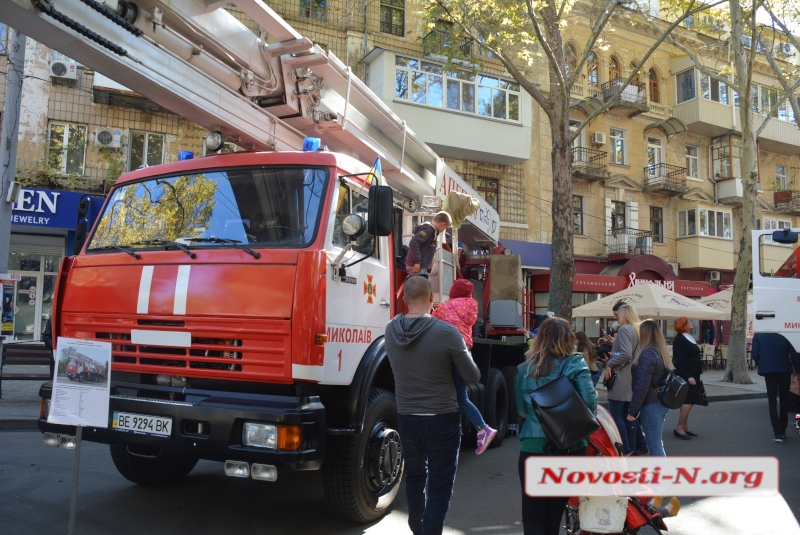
x=489, y=189
x=3, y=39
x=613, y=69
x=591, y=69
x=577, y=215
x=393, y=14
x=146, y=149
x=433, y=84
x=617, y=146
x=657, y=223
x=686, y=86
x=687, y=223
x=67, y=147
x=781, y=183
x=785, y=111
x=570, y=59
x=692, y=162
x=655, y=91
x=769, y=100
x=706, y=223
x=617, y=215
x=314, y=9
x=772, y=224
x=713, y=89
x=726, y=157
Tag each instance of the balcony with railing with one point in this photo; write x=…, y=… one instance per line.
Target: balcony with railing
x=590, y=164
x=444, y=43
x=665, y=178
x=633, y=99
x=787, y=202
x=625, y=241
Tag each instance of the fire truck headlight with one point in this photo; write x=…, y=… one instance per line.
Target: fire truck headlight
x=260, y=435
x=353, y=226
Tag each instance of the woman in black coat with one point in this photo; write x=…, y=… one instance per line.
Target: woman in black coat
x=688, y=365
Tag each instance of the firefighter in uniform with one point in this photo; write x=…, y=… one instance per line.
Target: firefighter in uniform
x=422, y=246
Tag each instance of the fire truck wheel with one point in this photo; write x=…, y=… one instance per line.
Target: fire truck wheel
x=362, y=473
x=510, y=375
x=82, y=378
x=151, y=471
x=497, y=406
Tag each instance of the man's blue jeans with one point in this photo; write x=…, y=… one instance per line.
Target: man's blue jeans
x=627, y=430
x=430, y=449
x=652, y=417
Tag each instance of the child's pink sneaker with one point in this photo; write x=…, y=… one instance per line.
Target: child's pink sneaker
x=485, y=437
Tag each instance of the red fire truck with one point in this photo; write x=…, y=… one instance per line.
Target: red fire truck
x=246, y=294
x=82, y=368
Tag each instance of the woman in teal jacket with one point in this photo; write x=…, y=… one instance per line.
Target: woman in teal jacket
x=554, y=343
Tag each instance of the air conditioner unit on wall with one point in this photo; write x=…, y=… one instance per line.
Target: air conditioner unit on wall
x=598, y=138
x=712, y=276
x=64, y=69
x=674, y=266
x=784, y=49
x=107, y=138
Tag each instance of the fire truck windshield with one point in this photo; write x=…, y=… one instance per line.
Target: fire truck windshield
x=265, y=207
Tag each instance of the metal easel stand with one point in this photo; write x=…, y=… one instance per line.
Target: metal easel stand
x=75, y=468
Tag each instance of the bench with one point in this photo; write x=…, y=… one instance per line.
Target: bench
x=25, y=354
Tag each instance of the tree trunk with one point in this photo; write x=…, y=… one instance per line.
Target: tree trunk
x=562, y=269
x=736, y=366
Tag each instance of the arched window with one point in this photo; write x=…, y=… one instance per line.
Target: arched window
x=591, y=69
x=613, y=69
x=655, y=93
x=570, y=59
x=632, y=68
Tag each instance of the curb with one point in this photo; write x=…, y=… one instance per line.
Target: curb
x=19, y=424
x=737, y=397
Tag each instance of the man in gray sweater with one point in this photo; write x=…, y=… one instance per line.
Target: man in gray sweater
x=423, y=351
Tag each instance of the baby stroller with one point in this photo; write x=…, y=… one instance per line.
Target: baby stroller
x=607, y=442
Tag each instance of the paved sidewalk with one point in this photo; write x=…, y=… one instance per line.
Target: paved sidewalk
x=716, y=390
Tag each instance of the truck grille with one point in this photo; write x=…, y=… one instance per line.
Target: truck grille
x=258, y=351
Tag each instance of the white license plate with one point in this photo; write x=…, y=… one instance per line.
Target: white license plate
x=142, y=424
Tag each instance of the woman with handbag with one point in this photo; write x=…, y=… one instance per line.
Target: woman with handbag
x=551, y=356
x=689, y=366
x=650, y=367
x=618, y=374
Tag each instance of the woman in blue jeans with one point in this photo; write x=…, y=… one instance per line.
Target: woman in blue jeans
x=650, y=367
x=619, y=395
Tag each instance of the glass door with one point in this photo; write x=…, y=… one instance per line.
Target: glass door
x=27, y=306
x=654, y=158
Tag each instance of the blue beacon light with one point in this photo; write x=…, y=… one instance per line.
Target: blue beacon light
x=311, y=144
x=185, y=155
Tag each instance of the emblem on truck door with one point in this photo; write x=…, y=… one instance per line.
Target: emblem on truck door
x=369, y=290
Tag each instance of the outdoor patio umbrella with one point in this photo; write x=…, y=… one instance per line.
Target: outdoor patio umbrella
x=650, y=301
x=722, y=301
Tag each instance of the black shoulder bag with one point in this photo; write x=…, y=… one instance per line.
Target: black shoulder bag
x=564, y=417
x=672, y=391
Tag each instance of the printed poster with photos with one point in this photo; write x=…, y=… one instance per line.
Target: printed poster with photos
x=8, y=308
x=81, y=383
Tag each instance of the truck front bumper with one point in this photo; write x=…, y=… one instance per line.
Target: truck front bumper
x=208, y=424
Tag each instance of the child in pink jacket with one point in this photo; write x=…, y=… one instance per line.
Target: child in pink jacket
x=461, y=311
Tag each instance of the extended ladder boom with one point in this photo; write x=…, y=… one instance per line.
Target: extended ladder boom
x=197, y=60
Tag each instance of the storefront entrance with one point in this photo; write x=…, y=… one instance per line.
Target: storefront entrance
x=27, y=302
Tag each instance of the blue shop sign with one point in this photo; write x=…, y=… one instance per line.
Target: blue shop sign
x=47, y=208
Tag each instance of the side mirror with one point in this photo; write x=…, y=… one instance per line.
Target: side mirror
x=80, y=230
x=784, y=236
x=380, y=214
